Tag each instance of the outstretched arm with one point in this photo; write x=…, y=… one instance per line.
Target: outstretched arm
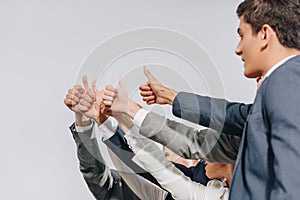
x=218, y=114
x=184, y=140
x=189, y=142
x=101, y=181
x=99, y=178
x=180, y=186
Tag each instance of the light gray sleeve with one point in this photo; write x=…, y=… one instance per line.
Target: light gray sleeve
x=190, y=143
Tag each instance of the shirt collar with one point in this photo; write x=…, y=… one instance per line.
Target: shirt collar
x=277, y=65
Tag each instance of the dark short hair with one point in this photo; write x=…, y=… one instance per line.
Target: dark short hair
x=282, y=15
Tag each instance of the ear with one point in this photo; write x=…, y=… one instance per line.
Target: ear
x=266, y=34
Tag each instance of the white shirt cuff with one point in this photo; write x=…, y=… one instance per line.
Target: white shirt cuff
x=108, y=128
x=135, y=141
x=82, y=129
x=140, y=117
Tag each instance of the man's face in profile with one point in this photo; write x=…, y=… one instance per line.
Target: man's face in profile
x=249, y=48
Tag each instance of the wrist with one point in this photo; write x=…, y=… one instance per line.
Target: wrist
x=170, y=98
x=133, y=108
x=82, y=120
x=166, y=95
x=124, y=121
x=100, y=119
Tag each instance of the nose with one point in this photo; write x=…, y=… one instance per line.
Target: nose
x=238, y=50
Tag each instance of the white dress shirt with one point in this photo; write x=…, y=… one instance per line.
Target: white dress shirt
x=150, y=157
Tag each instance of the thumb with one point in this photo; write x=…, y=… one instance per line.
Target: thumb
x=121, y=83
x=94, y=86
x=122, y=92
x=85, y=82
x=149, y=75
x=95, y=90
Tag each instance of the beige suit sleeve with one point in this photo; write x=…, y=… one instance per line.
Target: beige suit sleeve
x=188, y=142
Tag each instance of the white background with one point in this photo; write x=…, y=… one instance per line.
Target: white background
x=42, y=46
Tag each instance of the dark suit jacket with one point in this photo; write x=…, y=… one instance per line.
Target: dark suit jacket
x=269, y=156
x=93, y=170
x=196, y=173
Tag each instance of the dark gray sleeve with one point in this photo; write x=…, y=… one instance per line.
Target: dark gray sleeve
x=102, y=182
x=190, y=143
x=108, y=184
x=218, y=114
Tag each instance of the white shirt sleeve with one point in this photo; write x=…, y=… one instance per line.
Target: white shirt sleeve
x=82, y=129
x=172, y=179
x=103, y=132
x=140, y=117
x=135, y=141
x=108, y=128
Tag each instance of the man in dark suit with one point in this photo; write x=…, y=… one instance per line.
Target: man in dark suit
x=269, y=153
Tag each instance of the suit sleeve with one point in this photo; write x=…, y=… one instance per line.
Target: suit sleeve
x=282, y=109
x=218, y=114
x=102, y=182
x=189, y=142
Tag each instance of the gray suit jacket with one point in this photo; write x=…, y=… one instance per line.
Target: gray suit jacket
x=190, y=143
x=268, y=162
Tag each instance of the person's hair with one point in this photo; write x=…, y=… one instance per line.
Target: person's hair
x=282, y=15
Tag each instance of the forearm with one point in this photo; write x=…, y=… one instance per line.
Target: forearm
x=97, y=175
x=135, y=140
x=214, y=113
x=92, y=166
x=100, y=119
x=133, y=108
x=82, y=120
x=124, y=121
x=189, y=142
x=167, y=94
